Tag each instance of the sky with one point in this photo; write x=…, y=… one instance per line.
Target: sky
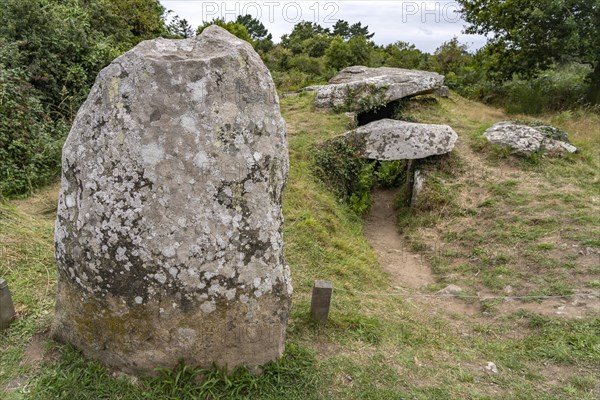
x=426, y=24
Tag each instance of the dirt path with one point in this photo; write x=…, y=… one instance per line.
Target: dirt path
x=410, y=272
x=406, y=269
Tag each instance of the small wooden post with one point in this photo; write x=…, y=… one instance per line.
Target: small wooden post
x=321, y=299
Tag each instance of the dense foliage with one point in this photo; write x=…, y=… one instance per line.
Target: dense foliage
x=338, y=164
x=50, y=54
x=529, y=36
x=539, y=57
x=30, y=141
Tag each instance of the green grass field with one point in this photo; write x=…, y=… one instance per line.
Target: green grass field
x=374, y=347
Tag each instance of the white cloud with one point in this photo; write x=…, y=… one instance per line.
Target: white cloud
x=427, y=24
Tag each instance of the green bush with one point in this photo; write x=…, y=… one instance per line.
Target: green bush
x=50, y=54
x=554, y=90
x=291, y=80
x=64, y=44
x=391, y=173
x=338, y=164
x=30, y=142
x=306, y=64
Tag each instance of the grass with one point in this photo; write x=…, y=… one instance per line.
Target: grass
x=372, y=347
x=537, y=212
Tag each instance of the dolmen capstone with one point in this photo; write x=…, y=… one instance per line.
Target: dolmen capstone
x=361, y=89
x=169, y=230
x=525, y=139
x=390, y=139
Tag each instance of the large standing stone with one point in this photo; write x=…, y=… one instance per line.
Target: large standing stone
x=361, y=88
x=169, y=230
x=390, y=139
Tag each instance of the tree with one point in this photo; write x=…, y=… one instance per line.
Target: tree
x=341, y=29
x=30, y=142
x=296, y=40
x=355, y=51
x=317, y=45
x=358, y=30
x=360, y=48
x=346, y=31
x=234, y=28
x=143, y=18
x=531, y=35
x=450, y=56
x=180, y=28
x=124, y=21
x=65, y=43
x=404, y=55
x=338, y=55
x=255, y=28
x=263, y=40
x=50, y=54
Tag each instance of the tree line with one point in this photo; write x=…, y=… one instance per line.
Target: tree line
x=539, y=57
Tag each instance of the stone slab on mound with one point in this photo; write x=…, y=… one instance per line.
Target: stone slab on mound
x=525, y=139
x=169, y=229
x=361, y=88
x=390, y=139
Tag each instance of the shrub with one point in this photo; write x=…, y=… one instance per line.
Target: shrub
x=553, y=90
x=30, y=142
x=338, y=164
x=291, y=80
x=391, y=173
x=306, y=64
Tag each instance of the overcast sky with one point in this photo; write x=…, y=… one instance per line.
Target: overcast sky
x=427, y=24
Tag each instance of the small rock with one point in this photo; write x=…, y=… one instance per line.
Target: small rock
x=524, y=139
x=289, y=94
x=491, y=367
x=508, y=289
x=450, y=290
x=352, y=122
x=312, y=88
x=347, y=380
x=418, y=183
x=443, y=91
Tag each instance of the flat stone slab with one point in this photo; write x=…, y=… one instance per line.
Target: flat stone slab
x=390, y=139
x=524, y=139
x=361, y=88
x=169, y=241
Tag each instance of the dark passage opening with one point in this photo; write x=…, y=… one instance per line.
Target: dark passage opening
x=387, y=111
